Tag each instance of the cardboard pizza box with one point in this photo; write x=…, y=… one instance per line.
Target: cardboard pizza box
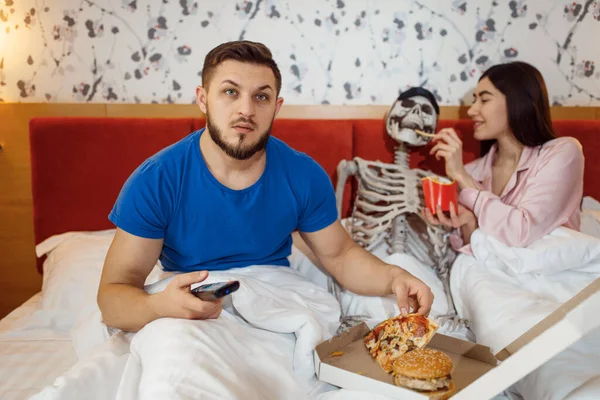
x=477, y=373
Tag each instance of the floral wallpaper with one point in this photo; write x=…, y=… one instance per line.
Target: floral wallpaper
x=329, y=51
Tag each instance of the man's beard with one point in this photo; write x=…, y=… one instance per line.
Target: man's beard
x=239, y=151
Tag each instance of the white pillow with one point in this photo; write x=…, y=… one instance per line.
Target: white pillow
x=589, y=203
x=72, y=269
x=590, y=217
x=72, y=272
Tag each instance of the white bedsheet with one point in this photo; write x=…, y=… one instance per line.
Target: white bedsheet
x=506, y=291
x=265, y=340
x=28, y=365
x=110, y=367
x=67, y=310
x=269, y=329
x=260, y=348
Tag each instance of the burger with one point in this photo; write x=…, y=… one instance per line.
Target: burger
x=425, y=370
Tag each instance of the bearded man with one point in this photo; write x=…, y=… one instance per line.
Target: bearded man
x=230, y=196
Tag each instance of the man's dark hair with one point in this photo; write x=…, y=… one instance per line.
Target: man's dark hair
x=244, y=51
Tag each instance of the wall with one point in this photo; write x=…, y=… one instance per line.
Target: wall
x=335, y=51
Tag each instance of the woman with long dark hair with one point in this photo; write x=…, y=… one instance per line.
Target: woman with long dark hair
x=528, y=182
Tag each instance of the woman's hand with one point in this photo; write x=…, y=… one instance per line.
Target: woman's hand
x=449, y=147
x=456, y=220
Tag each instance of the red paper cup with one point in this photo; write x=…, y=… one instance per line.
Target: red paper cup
x=439, y=191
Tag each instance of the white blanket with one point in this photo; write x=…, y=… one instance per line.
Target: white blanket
x=506, y=291
x=374, y=309
x=259, y=348
x=277, y=315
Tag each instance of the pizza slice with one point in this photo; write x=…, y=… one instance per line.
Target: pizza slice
x=396, y=336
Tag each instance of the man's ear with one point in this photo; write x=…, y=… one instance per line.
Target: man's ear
x=201, y=95
x=278, y=104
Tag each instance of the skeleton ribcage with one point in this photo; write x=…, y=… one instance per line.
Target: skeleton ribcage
x=385, y=191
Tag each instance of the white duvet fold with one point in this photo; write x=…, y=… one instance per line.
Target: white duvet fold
x=259, y=348
x=505, y=291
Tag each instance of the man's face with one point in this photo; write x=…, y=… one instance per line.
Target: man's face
x=240, y=103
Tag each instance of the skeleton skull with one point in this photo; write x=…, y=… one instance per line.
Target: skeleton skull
x=415, y=108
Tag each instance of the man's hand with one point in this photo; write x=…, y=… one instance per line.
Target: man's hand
x=411, y=293
x=363, y=273
x=177, y=301
x=121, y=297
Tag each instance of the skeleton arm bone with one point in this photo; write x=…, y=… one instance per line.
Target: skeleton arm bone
x=345, y=169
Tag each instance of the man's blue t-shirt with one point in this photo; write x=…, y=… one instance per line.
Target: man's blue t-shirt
x=206, y=225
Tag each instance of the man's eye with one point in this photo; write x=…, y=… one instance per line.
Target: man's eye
x=262, y=97
x=229, y=92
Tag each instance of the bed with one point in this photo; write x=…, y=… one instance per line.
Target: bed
x=78, y=168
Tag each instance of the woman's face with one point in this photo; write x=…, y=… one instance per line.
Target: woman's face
x=489, y=113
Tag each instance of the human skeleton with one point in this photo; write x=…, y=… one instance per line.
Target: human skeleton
x=388, y=202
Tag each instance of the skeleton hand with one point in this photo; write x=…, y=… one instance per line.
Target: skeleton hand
x=464, y=216
x=449, y=147
x=411, y=292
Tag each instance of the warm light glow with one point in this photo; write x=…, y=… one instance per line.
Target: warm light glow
x=20, y=38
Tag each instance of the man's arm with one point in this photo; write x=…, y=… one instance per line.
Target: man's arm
x=363, y=273
x=122, y=300
x=121, y=296
x=301, y=245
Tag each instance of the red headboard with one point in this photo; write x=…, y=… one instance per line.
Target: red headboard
x=80, y=164
x=588, y=134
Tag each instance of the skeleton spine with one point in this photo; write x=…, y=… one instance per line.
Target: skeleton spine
x=401, y=155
